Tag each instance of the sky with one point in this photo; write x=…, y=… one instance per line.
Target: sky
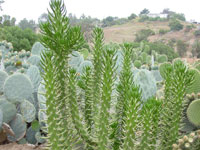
x=32, y=9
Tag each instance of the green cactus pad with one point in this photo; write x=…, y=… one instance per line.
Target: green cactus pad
x=195, y=87
x=28, y=111
x=3, y=76
x=162, y=68
x=18, y=125
x=18, y=87
x=37, y=48
x=22, y=141
x=9, y=110
x=34, y=74
x=193, y=112
x=137, y=63
x=162, y=58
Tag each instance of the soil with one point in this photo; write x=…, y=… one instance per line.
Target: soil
x=15, y=146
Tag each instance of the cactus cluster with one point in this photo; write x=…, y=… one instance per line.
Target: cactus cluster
x=188, y=142
x=19, y=87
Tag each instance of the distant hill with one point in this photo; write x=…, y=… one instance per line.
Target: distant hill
x=126, y=32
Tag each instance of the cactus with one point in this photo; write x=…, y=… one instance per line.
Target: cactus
x=9, y=110
x=195, y=87
x=28, y=111
x=137, y=63
x=163, y=67
x=75, y=59
x=22, y=141
x=119, y=62
x=30, y=135
x=18, y=87
x=34, y=60
x=193, y=112
x=1, y=118
x=147, y=83
x=83, y=65
x=37, y=49
x=84, y=52
x=157, y=76
x=41, y=97
x=34, y=74
x=39, y=138
x=188, y=142
x=162, y=58
x=18, y=125
x=3, y=76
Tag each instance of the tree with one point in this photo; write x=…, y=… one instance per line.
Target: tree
x=6, y=20
x=132, y=16
x=144, y=12
x=24, y=24
x=43, y=18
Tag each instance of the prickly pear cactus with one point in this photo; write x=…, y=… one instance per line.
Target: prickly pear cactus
x=9, y=110
x=137, y=63
x=18, y=87
x=42, y=117
x=195, y=87
x=162, y=68
x=34, y=60
x=18, y=125
x=193, y=112
x=39, y=137
x=28, y=111
x=3, y=76
x=119, y=61
x=1, y=118
x=156, y=75
x=84, y=64
x=147, y=83
x=162, y=58
x=34, y=74
x=41, y=97
x=30, y=135
x=37, y=49
x=75, y=59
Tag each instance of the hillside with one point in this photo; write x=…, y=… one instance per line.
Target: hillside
x=126, y=32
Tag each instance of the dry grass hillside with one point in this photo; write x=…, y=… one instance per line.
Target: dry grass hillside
x=126, y=32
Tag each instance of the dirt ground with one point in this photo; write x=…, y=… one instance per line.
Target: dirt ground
x=15, y=146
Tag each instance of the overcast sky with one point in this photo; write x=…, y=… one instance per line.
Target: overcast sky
x=32, y=9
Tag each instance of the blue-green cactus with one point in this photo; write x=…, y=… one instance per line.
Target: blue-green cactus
x=42, y=117
x=41, y=97
x=3, y=76
x=1, y=118
x=37, y=49
x=156, y=74
x=147, y=83
x=18, y=125
x=83, y=65
x=28, y=111
x=34, y=60
x=30, y=135
x=18, y=87
x=9, y=110
x=34, y=74
x=39, y=137
x=75, y=59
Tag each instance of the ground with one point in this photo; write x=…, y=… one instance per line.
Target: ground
x=14, y=146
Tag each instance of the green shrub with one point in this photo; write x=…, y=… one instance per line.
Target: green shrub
x=175, y=25
x=182, y=47
x=197, y=33
x=163, y=31
x=143, y=35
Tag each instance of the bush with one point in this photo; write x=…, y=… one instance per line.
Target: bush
x=175, y=25
x=181, y=47
x=163, y=31
x=197, y=33
x=21, y=39
x=188, y=28
x=143, y=34
x=161, y=48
